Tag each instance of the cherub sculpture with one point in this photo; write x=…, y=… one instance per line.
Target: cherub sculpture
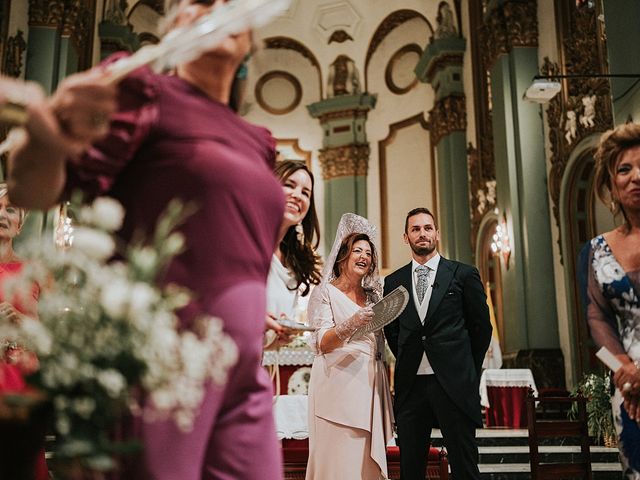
x=570, y=127
x=589, y=114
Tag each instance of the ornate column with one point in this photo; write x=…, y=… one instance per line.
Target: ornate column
x=43, y=48
x=76, y=37
x=510, y=33
x=344, y=156
x=441, y=66
x=60, y=39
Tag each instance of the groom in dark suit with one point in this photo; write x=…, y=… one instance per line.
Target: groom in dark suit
x=439, y=342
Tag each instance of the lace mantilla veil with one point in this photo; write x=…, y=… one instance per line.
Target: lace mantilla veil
x=349, y=223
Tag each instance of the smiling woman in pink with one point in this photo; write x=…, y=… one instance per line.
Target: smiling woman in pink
x=350, y=416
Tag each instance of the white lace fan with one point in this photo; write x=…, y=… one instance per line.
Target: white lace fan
x=384, y=312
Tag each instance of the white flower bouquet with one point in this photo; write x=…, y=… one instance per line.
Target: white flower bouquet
x=107, y=335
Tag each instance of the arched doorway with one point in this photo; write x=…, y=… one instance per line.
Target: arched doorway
x=584, y=216
x=489, y=265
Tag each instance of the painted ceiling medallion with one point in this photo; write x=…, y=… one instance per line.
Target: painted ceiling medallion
x=399, y=75
x=337, y=16
x=278, y=92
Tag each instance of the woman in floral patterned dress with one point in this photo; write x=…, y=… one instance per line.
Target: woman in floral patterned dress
x=613, y=309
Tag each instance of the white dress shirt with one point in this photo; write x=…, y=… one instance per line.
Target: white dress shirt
x=432, y=265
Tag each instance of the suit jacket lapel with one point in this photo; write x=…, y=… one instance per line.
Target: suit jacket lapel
x=444, y=275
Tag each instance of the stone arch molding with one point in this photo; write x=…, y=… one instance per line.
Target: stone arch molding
x=390, y=23
x=567, y=225
x=288, y=43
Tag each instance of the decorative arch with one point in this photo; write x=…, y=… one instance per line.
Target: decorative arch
x=390, y=23
x=490, y=268
x=394, y=128
x=577, y=226
x=289, y=43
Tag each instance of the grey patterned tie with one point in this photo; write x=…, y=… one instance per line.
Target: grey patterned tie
x=423, y=281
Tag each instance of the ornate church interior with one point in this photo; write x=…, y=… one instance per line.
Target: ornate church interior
x=487, y=112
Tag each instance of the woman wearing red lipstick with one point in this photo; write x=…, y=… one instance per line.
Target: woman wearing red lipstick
x=613, y=309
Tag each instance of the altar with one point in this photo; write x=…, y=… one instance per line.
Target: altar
x=290, y=369
x=503, y=393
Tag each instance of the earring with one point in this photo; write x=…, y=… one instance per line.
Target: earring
x=300, y=233
x=613, y=206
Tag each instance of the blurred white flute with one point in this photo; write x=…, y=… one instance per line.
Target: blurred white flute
x=180, y=45
x=189, y=42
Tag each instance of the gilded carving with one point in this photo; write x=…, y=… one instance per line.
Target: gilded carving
x=587, y=99
x=521, y=18
x=14, y=52
x=46, y=13
x=482, y=184
x=448, y=115
x=513, y=23
x=77, y=24
x=346, y=161
x=482, y=176
x=70, y=21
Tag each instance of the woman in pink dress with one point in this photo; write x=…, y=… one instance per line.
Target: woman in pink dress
x=350, y=415
x=175, y=136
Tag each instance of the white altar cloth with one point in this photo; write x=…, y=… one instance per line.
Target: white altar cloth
x=505, y=377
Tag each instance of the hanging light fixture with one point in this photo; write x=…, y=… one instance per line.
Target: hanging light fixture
x=63, y=234
x=500, y=244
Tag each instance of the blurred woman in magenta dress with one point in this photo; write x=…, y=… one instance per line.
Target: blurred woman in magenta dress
x=175, y=136
x=15, y=362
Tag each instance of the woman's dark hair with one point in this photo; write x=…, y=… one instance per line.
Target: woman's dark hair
x=300, y=256
x=345, y=250
x=612, y=144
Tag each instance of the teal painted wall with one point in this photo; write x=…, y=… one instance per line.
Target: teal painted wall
x=623, y=37
x=42, y=53
x=453, y=183
x=68, y=59
x=530, y=322
x=342, y=195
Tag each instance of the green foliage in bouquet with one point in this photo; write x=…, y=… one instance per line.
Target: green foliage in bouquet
x=596, y=389
x=107, y=337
